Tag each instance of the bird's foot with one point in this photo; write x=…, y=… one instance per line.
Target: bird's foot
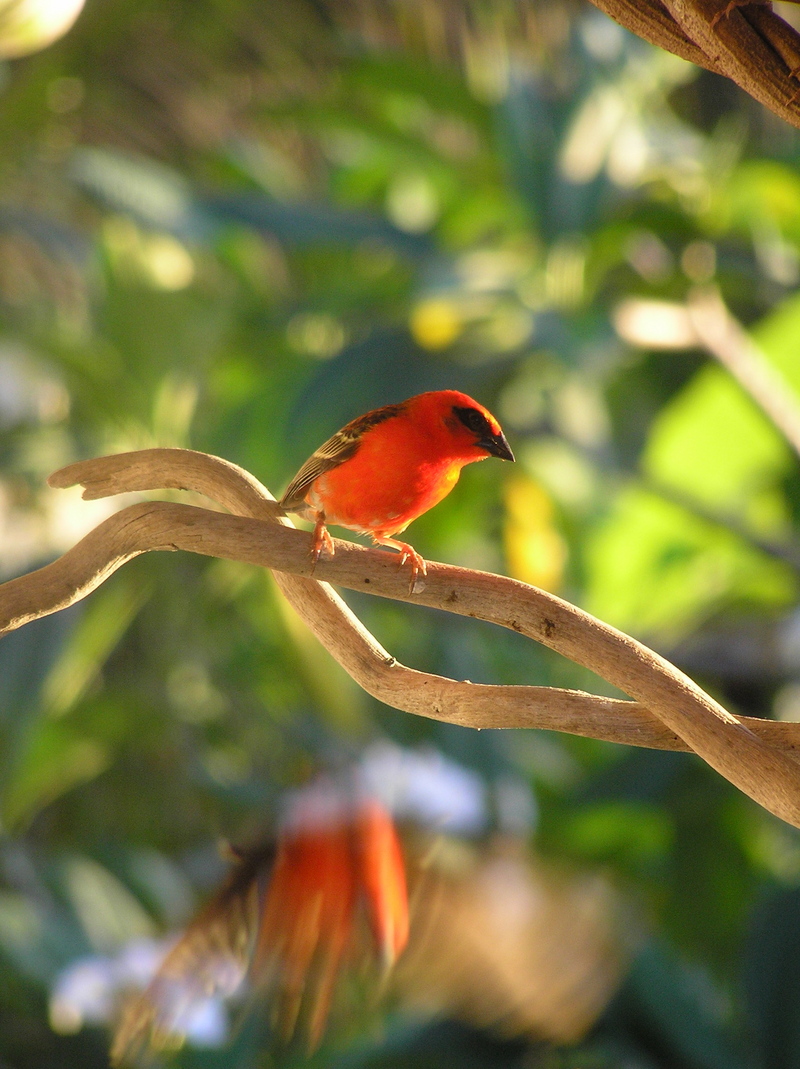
x=320, y=540
x=407, y=553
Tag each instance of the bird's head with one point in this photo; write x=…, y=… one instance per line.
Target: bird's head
x=465, y=428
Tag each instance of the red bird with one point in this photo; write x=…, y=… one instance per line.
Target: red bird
x=387, y=467
x=289, y=918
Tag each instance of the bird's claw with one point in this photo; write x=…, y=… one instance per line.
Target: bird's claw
x=320, y=540
x=418, y=566
x=407, y=553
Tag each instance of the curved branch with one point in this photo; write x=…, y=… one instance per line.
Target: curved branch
x=760, y=764
x=157, y=525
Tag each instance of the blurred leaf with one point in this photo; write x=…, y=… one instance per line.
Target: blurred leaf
x=56, y=759
x=714, y=444
x=49, y=758
x=653, y=567
x=26, y=659
x=440, y=1045
x=633, y=836
x=105, y=620
x=160, y=198
x=109, y=914
x=760, y=193
x=679, y=1012
x=772, y=979
x=153, y=193
x=535, y=549
x=656, y=566
x=778, y=335
x=311, y=223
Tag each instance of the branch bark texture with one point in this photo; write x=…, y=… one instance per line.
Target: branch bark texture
x=745, y=41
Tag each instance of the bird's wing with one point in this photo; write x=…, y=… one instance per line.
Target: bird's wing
x=210, y=958
x=339, y=448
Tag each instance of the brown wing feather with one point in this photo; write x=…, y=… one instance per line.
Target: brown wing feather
x=339, y=448
x=209, y=957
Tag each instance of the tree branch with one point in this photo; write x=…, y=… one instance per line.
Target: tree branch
x=724, y=337
x=747, y=42
x=671, y=712
x=649, y=20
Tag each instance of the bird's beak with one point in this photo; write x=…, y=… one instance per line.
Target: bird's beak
x=496, y=446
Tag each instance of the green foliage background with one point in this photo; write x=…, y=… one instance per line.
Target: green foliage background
x=236, y=225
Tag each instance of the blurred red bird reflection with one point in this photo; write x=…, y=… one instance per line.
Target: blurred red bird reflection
x=334, y=855
x=497, y=937
x=289, y=918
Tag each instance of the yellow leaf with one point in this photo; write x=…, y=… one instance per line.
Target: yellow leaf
x=535, y=550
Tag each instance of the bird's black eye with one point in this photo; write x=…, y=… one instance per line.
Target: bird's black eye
x=474, y=421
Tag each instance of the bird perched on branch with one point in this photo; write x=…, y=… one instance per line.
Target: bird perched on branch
x=389, y=466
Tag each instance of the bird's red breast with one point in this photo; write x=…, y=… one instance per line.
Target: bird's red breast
x=390, y=466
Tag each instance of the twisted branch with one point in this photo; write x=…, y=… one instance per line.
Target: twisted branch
x=744, y=40
x=670, y=711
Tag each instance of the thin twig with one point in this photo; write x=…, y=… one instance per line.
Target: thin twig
x=705, y=322
x=724, y=338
